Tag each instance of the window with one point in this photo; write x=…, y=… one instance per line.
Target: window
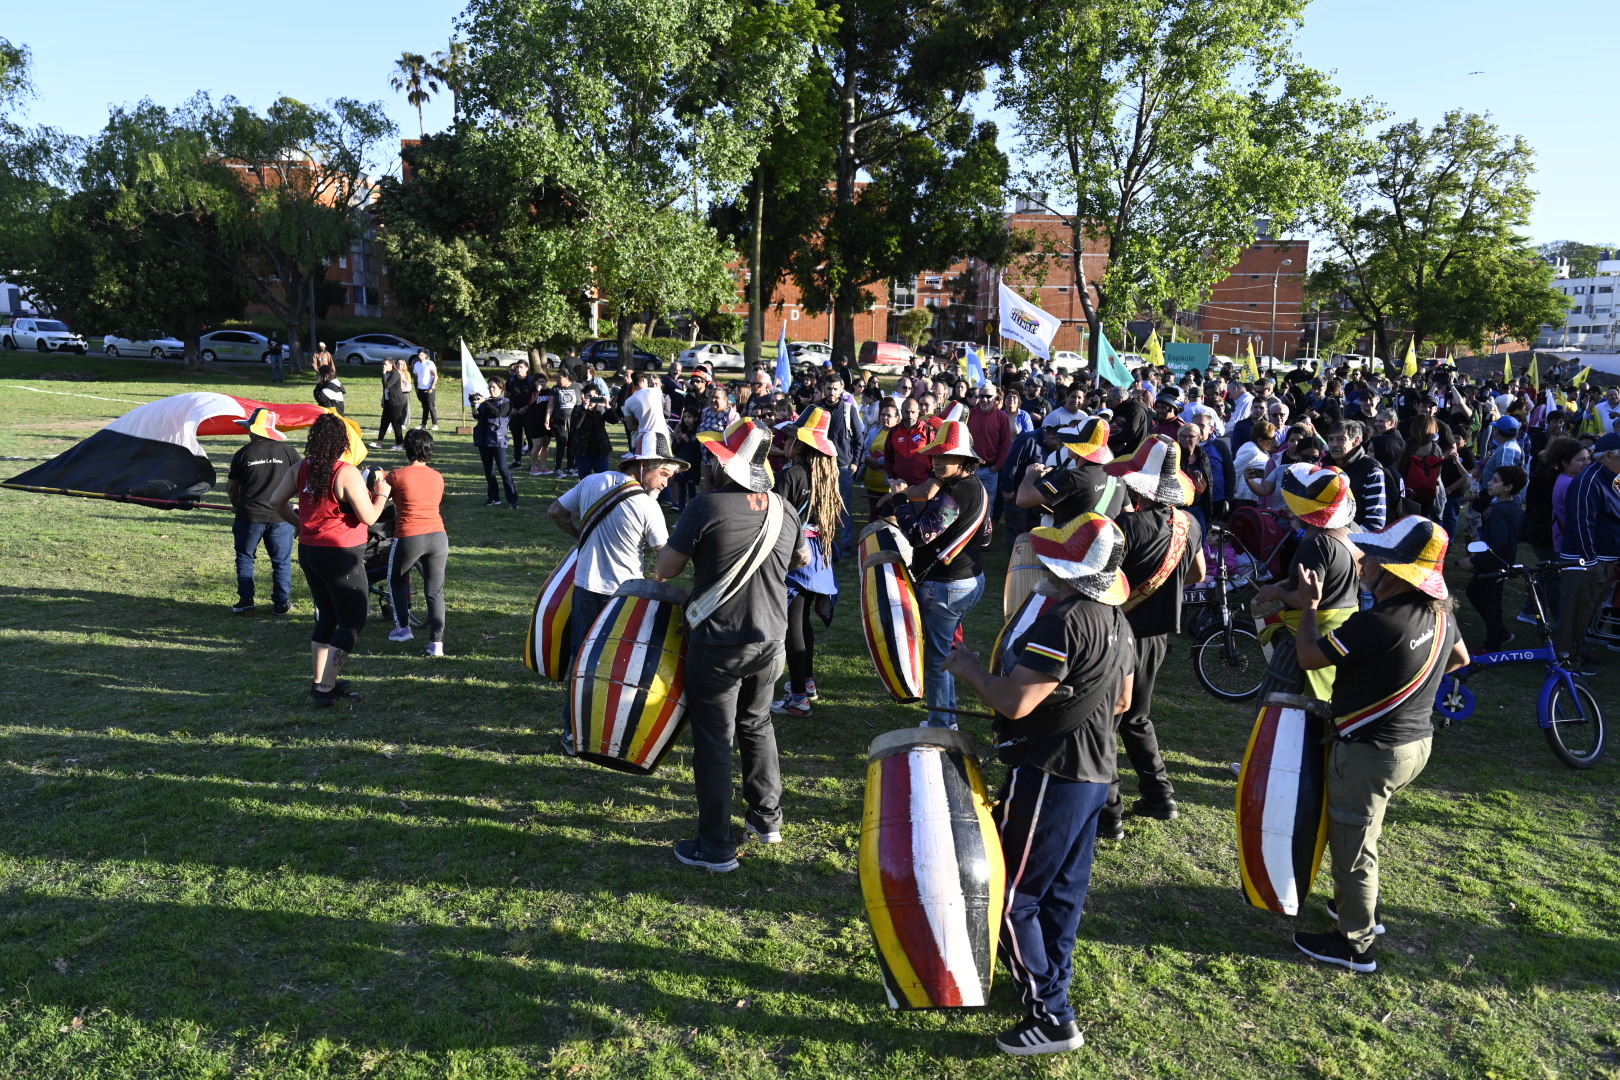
x=1603, y=288
x=1580, y=290
x=1254, y=277
x=932, y=283
x=343, y=262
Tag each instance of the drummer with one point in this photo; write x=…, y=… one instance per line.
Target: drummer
x=1390, y=660
x=1057, y=694
x=1080, y=483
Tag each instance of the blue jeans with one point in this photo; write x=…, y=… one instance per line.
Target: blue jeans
x=278, y=367
x=278, y=544
x=498, y=474
x=991, y=479
x=846, y=527
x=1448, y=516
x=944, y=605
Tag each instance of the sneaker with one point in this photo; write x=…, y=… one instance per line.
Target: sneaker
x=1334, y=948
x=511, y=506
x=688, y=852
x=1163, y=809
x=1110, y=830
x=1378, y=916
x=282, y=609
x=810, y=689
x=1528, y=620
x=792, y=705
x=375, y=445
x=242, y=607
x=546, y=472
x=761, y=832
x=401, y=446
x=567, y=741
x=1237, y=768
x=1038, y=1037
x=1580, y=666
x=492, y=502
x=536, y=472
x=435, y=427
x=339, y=692
x=435, y=648
x=400, y=633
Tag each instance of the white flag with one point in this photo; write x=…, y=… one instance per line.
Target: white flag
x=472, y=380
x=1027, y=324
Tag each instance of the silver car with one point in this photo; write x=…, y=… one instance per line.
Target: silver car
x=233, y=345
x=157, y=348
x=719, y=356
x=374, y=349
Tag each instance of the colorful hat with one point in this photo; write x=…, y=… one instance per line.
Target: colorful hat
x=812, y=430
x=653, y=445
x=742, y=451
x=1318, y=495
x=1413, y=549
x=1085, y=554
x=262, y=422
x=956, y=412
x=951, y=440
x=1154, y=472
x=1088, y=440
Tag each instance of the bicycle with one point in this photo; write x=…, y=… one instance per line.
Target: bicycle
x=1568, y=713
x=1228, y=659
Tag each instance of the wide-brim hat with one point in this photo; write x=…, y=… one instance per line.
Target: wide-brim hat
x=1413, y=549
x=812, y=429
x=262, y=422
x=1319, y=495
x=1085, y=554
x=1088, y=440
x=953, y=439
x=956, y=412
x=1154, y=472
x=653, y=445
x=742, y=450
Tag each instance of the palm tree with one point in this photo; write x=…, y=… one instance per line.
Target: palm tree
x=417, y=78
x=450, y=67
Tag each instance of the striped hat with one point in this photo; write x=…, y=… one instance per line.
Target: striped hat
x=955, y=411
x=1088, y=440
x=1413, y=549
x=1085, y=554
x=1154, y=472
x=951, y=440
x=262, y=422
x=812, y=430
x=1318, y=495
x=651, y=444
x=742, y=450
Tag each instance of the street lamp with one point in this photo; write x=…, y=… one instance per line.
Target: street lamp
x=1274, y=279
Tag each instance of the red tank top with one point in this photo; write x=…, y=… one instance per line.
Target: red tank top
x=326, y=522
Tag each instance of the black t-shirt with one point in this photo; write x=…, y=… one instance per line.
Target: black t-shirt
x=1128, y=427
x=257, y=469
x=1380, y=653
x=1333, y=562
x=1071, y=491
x=1147, y=543
x=793, y=484
x=950, y=526
x=716, y=530
x=1089, y=649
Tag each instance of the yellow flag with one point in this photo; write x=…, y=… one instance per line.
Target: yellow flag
x=1410, y=367
x=356, y=453
x=1581, y=378
x=1507, y=367
x=1155, y=351
x=1535, y=375
x=1250, y=365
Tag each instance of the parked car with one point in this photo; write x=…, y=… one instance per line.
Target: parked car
x=233, y=345
x=507, y=357
x=718, y=355
x=603, y=355
x=1066, y=361
x=46, y=335
x=809, y=352
x=157, y=348
x=885, y=354
x=374, y=349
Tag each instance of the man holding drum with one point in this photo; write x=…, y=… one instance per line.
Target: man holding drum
x=1059, y=690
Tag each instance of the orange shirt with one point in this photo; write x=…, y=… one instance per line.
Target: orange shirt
x=418, y=491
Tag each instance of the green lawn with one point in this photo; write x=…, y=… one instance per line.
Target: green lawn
x=204, y=876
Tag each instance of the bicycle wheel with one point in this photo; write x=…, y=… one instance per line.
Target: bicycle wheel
x=1576, y=733
x=1229, y=663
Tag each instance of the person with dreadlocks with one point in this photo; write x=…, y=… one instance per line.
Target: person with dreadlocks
x=810, y=487
x=334, y=508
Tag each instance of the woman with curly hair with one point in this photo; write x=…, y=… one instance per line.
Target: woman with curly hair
x=810, y=486
x=334, y=508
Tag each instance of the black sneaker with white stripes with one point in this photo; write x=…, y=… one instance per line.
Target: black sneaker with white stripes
x=1335, y=948
x=1038, y=1037
x=1378, y=916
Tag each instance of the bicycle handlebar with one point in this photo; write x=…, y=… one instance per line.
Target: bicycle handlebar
x=1518, y=570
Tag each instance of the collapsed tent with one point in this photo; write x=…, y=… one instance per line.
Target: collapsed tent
x=151, y=455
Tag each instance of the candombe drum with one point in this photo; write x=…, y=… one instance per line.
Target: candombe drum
x=931, y=869
x=545, y=649
x=891, y=617
x=1024, y=572
x=1043, y=597
x=1282, y=802
x=628, y=689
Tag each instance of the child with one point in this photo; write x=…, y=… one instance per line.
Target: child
x=1501, y=527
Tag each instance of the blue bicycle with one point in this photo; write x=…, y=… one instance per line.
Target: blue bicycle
x=1567, y=711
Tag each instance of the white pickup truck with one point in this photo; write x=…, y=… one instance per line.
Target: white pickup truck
x=46, y=335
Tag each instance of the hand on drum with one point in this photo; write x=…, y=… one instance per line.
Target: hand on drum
x=962, y=662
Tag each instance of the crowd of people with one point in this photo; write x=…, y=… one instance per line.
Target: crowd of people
x=1116, y=489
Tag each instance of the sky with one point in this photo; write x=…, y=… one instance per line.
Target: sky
x=1539, y=70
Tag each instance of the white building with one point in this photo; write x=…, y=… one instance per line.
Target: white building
x=1593, y=323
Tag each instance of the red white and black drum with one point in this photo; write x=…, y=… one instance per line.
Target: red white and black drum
x=932, y=871
x=545, y=648
x=1282, y=802
x=891, y=616
x=628, y=686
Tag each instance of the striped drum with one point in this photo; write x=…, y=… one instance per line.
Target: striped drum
x=931, y=869
x=628, y=686
x=891, y=617
x=545, y=649
x=1282, y=803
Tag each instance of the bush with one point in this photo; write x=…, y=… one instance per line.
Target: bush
x=913, y=326
x=726, y=326
x=665, y=348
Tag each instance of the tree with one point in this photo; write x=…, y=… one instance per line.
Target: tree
x=1582, y=258
x=418, y=80
x=1429, y=239
x=913, y=326
x=450, y=68
x=1169, y=129
x=35, y=162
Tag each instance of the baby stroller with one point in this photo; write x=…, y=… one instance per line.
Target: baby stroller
x=379, y=545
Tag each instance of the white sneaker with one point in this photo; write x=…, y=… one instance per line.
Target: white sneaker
x=375, y=445
x=400, y=633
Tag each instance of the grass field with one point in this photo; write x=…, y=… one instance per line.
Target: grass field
x=203, y=876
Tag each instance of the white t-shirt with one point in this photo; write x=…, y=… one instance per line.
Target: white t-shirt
x=427, y=374
x=1249, y=456
x=645, y=410
x=1061, y=417
x=612, y=553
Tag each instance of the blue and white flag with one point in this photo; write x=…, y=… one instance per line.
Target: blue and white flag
x=1027, y=324
x=784, y=371
x=975, y=368
x=1109, y=365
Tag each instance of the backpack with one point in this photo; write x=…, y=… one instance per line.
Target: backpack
x=1423, y=476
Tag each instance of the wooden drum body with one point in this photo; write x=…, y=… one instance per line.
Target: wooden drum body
x=1024, y=573
x=891, y=616
x=628, y=686
x=545, y=649
x=1282, y=803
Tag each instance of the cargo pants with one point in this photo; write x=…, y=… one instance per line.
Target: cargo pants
x=1361, y=779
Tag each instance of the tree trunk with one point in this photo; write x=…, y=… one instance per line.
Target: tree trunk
x=846, y=295
x=756, y=291
x=626, y=325
x=1081, y=286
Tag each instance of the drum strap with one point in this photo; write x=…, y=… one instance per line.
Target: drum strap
x=1352, y=722
x=602, y=507
x=1179, y=524
x=709, y=600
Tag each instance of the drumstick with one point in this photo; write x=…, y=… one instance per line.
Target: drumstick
x=960, y=712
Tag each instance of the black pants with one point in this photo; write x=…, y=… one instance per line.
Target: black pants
x=1485, y=593
x=498, y=472
x=1137, y=736
x=728, y=696
x=430, y=406
x=561, y=436
x=393, y=415
x=801, y=641
x=431, y=551
x=337, y=584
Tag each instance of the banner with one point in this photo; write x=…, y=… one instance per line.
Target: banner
x=1109, y=365
x=1184, y=356
x=784, y=371
x=1023, y=322
x=472, y=380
